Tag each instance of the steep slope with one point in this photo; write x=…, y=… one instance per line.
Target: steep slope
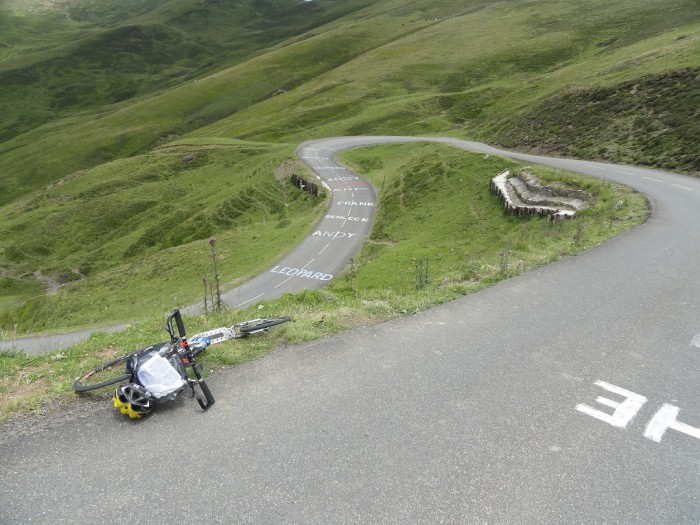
x=94, y=192
x=504, y=73
x=80, y=140
x=387, y=68
x=71, y=61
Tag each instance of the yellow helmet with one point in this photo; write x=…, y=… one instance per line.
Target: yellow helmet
x=132, y=400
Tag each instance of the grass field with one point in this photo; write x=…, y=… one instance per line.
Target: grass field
x=65, y=57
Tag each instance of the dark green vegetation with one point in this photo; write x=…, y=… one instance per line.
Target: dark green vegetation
x=653, y=121
x=71, y=57
x=101, y=101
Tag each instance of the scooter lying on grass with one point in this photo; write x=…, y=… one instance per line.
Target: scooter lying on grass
x=163, y=371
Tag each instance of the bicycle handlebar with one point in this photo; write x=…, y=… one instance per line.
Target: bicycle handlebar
x=208, y=400
x=178, y=322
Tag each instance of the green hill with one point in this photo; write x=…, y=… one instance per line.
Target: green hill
x=94, y=94
x=79, y=60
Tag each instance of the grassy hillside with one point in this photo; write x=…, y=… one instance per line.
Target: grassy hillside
x=145, y=221
x=468, y=241
x=482, y=73
x=653, y=120
x=99, y=98
x=71, y=62
x=476, y=68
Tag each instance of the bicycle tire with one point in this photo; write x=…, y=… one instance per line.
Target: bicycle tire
x=262, y=324
x=106, y=374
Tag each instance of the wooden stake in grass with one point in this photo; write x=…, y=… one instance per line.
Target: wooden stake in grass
x=204, y=281
x=217, y=304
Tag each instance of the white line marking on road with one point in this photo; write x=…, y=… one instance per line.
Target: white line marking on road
x=595, y=167
x=652, y=178
x=666, y=417
x=324, y=248
x=287, y=279
x=624, y=172
x=250, y=300
x=683, y=187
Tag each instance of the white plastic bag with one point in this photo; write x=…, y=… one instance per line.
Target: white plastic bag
x=159, y=377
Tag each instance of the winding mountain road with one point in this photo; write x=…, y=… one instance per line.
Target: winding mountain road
x=564, y=395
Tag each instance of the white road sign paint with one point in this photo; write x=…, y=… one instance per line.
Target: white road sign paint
x=334, y=235
x=343, y=218
x=624, y=411
x=300, y=272
x=682, y=187
x=355, y=203
x=664, y=419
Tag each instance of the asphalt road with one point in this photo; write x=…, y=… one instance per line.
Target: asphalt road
x=332, y=243
x=565, y=395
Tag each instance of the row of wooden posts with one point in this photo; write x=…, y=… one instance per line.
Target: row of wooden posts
x=304, y=185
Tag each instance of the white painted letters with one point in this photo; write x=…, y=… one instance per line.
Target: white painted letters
x=664, y=419
x=695, y=341
x=300, y=272
x=334, y=235
x=354, y=219
x=353, y=203
x=624, y=412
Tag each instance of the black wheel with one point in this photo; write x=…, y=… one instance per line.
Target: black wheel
x=109, y=373
x=261, y=324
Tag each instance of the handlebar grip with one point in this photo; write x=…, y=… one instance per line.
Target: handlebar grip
x=180, y=324
x=169, y=326
x=207, y=394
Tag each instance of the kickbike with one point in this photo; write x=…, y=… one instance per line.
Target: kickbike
x=162, y=371
x=157, y=373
